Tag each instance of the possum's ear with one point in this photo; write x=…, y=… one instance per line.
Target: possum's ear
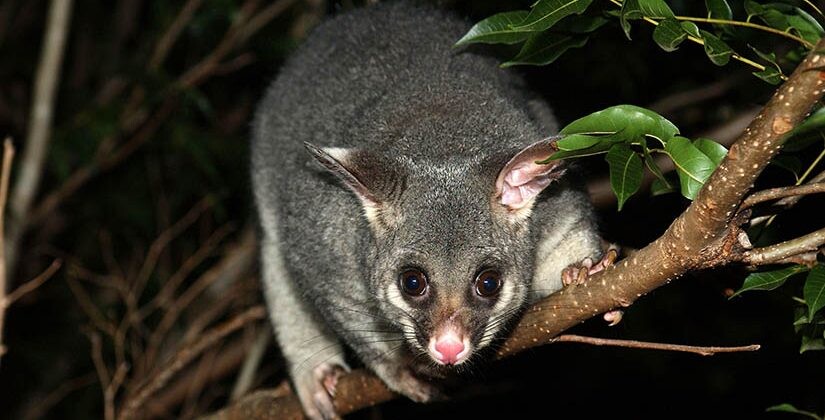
x=522, y=179
x=369, y=176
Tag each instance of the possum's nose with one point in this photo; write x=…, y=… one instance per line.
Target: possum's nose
x=449, y=348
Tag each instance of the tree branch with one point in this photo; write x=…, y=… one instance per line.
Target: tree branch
x=703, y=236
x=186, y=355
x=782, y=251
x=782, y=192
x=701, y=350
x=40, y=123
x=5, y=173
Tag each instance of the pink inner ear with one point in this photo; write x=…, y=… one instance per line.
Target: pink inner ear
x=523, y=182
x=522, y=179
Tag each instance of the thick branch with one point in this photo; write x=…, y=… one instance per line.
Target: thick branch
x=699, y=238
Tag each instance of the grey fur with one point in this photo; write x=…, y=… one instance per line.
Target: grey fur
x=427, y=129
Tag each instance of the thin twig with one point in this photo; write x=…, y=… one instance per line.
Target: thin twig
x=751, y=25
x=5, y=173
x=782, y=192
x=184, y=300
x=172, y=33
x=33, y=284
x=250, y=366
x=110, y=155
x=42, y=406
x=185, y=356
x=40, y=122
x=110, y=390
x=781, y=251
x=702, y=350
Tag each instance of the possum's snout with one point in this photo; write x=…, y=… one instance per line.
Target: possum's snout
x=449, y=347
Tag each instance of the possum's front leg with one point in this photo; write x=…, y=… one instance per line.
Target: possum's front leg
x=559, y=248
x=392, y=364
x=314, y=355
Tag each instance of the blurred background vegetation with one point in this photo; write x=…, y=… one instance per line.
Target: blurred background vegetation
x=144, y=202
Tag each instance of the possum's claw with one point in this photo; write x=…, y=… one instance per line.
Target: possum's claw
x=579, y=273
x=317, y=390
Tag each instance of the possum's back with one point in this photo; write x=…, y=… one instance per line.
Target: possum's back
x=391, y=68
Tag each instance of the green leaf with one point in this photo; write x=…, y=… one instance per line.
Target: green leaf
x=691, y=29
x=770, y=75
x=638, y=9
x=693, y=166
x=654, y=168
x=788, y=408
x=545, y=48
x=718, y=9
x=628, y=122
x=577, y=145
x=814, y=290
x=753, y=8
x=717, y=50
x=805, y=25
x=811, y=343
x=496, y=29
x=580, y=24
x=669, y=34
x=625, y=172
x=545, y=13
x=577, y=142
x=788, y=18
x=715, y=151
x=659, y=187
x=769, y=280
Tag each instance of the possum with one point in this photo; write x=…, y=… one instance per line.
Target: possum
x=404, y=220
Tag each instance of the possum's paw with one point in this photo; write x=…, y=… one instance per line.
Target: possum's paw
x=579, y=273
x=417, y=388
x=316, y=390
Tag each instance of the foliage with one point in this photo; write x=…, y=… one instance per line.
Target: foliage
x=552, y=27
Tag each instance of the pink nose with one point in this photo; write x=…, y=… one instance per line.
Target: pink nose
x=448, y=348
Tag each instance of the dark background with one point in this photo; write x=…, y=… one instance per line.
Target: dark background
x=200, y=150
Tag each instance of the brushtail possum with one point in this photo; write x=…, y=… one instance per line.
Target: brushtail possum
x=403, y=216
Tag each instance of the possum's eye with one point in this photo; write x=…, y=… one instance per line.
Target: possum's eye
x=413, y=282
x=488, y=283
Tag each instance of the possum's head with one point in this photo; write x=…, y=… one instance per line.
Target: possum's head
x=453, y=257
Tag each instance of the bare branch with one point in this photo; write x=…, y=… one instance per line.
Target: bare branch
x=5, y=172
x=110, y=154
x=701, y=350
x=34, y=283
x=780, y=252
x=251, y=364
x=782, y=192
x=185, y=356
x=40, y=122
x=172, y=33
